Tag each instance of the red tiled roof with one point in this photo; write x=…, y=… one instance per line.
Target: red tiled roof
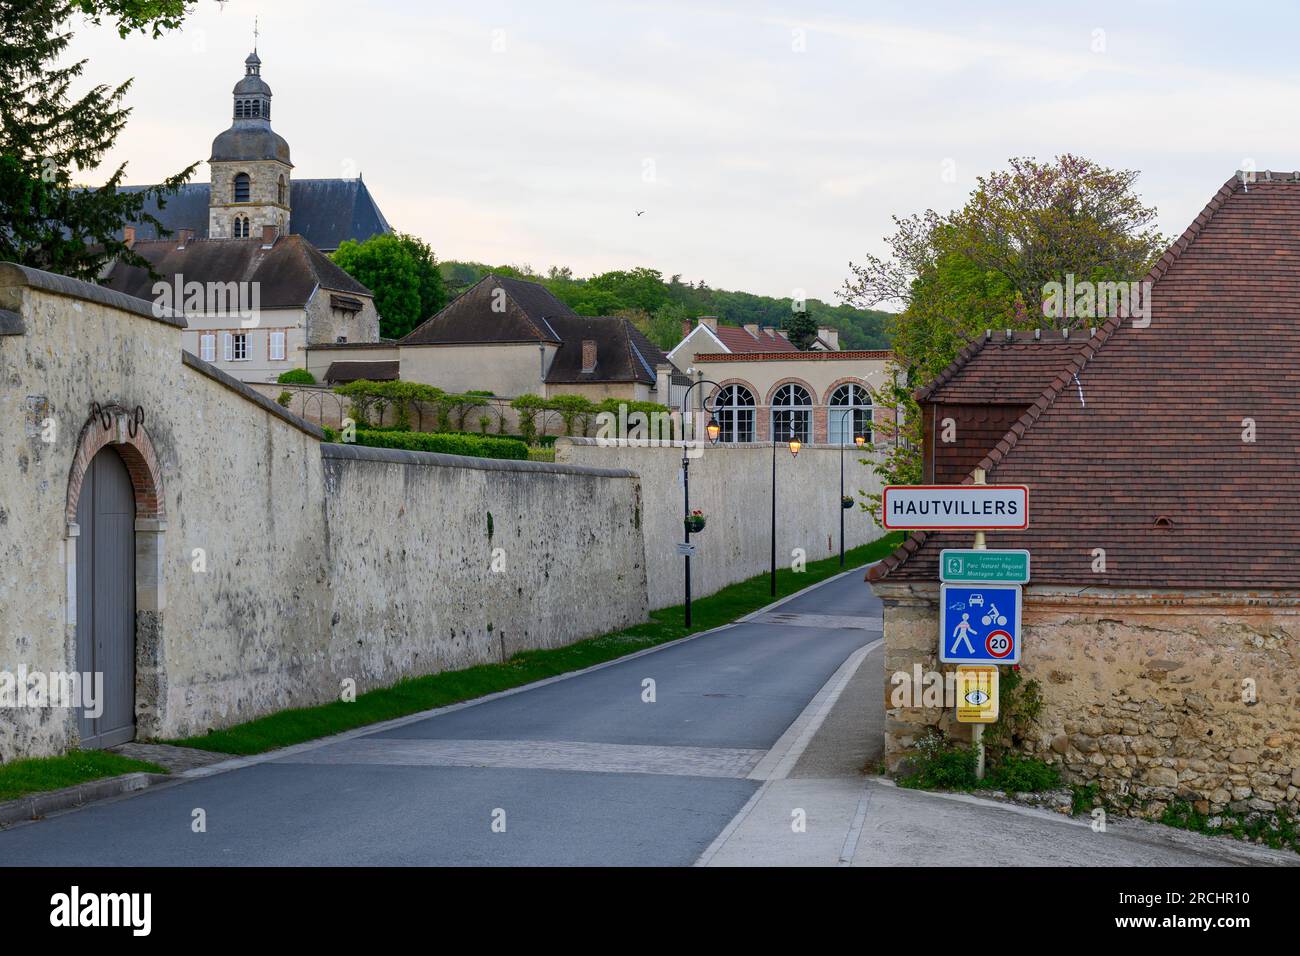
x=995, y=370
x=1158, y=433
x=740, y=340
x=794, y=356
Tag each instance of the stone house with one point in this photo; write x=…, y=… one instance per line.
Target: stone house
x=1163, y=615
x=260, y=303
x=513, y=337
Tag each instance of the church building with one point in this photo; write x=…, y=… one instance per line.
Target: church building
x=251, y=186
x=246, y=260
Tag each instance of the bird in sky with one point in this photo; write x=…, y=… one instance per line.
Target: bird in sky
x=640, y=212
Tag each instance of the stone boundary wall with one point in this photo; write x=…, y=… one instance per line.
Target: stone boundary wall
x=732, y=485
x=498, y=557
x=1152, y=695
x=270, y=567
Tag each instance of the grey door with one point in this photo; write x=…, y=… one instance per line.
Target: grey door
x=106, y=598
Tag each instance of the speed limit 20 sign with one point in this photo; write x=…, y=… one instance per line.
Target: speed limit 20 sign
x=979, y=623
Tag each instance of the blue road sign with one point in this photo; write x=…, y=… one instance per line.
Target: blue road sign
x=979, y=623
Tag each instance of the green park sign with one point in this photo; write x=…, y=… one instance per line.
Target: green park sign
x=969, y=564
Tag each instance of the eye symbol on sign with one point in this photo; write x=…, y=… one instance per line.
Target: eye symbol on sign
x=977, y=697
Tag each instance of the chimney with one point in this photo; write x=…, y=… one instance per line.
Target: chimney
x=185, y=235
x=588, y=355
x=687, y=326
x=128, y=236
x=268, y=236
x=752, y=329
x=711, y=321
x=830, y=336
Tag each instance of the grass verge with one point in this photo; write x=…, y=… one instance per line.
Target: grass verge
x=38, y=774
x=449, y=687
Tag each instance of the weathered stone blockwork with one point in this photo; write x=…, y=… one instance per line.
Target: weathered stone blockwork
x=732, y=485
x=273, y=567
x=1154, y=696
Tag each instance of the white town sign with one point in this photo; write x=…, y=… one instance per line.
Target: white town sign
x=955, y=507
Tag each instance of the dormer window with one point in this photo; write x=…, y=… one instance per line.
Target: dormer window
x=243, y=187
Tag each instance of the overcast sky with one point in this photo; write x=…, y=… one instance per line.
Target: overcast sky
x=768, y=143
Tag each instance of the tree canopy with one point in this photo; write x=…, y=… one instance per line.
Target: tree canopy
x=658, y=306
x=402, y=273
x=46, y=135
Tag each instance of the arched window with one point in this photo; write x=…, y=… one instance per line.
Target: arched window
x=266, y=109
x=239, y=109
x=281, y=193
x=240, y=230
x=850, y=414
x=243, y=187
x=792, y=413
x=734, y=409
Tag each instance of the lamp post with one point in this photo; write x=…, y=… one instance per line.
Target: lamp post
x=712, y=429
x=858, y=440
x=794, y=445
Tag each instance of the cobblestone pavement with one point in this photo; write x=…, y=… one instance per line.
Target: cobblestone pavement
x=174, y=759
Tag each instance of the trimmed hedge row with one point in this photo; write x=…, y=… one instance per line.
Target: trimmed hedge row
x=471, y=446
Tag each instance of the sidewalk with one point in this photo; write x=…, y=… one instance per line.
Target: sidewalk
x=858, y=820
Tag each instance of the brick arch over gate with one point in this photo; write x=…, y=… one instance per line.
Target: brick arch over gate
x=129, y=437
x=136, y=451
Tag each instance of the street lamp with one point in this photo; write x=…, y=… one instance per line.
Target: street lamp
x=858, y=440
x=794, y=445
x=712, y=429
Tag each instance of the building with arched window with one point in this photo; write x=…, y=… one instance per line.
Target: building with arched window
x=820, y=396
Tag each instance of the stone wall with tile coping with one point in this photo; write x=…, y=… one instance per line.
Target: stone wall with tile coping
x=1153, y=695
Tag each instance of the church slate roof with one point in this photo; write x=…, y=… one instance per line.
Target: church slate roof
x=325, y=212
x=249, y=140
x=287, y=274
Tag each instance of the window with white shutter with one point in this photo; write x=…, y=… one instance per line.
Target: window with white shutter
x=227, y=347
x=208, y=347
x=277, y=346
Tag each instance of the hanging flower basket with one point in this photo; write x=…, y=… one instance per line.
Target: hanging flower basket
x=846, y=502
x=695, y=522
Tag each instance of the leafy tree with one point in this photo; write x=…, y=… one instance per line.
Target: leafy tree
x=986, y=265
x=403, y=275
x=802, y=330
x=433, y=292
x=132, y=15
x=46, y=220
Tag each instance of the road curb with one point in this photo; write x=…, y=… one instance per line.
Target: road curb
x=37, y=805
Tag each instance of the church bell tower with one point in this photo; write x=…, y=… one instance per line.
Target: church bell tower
x=250, y=165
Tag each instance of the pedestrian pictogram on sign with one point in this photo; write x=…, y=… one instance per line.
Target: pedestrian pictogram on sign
x=979, y=623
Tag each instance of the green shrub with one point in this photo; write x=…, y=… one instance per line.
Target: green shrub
x=296, y=376
x=285, y=398
x=941, y=763
x=472, y=446
x=1019, y=774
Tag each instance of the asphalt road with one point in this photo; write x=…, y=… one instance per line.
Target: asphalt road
x=574, y=772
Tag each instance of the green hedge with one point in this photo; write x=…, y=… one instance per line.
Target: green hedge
x=296, y=376
x=471, y=446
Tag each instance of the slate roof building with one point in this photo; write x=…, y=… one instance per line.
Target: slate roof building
x=513, y=337
x=252, y=306
x=251, y=185
x=1163, y=612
